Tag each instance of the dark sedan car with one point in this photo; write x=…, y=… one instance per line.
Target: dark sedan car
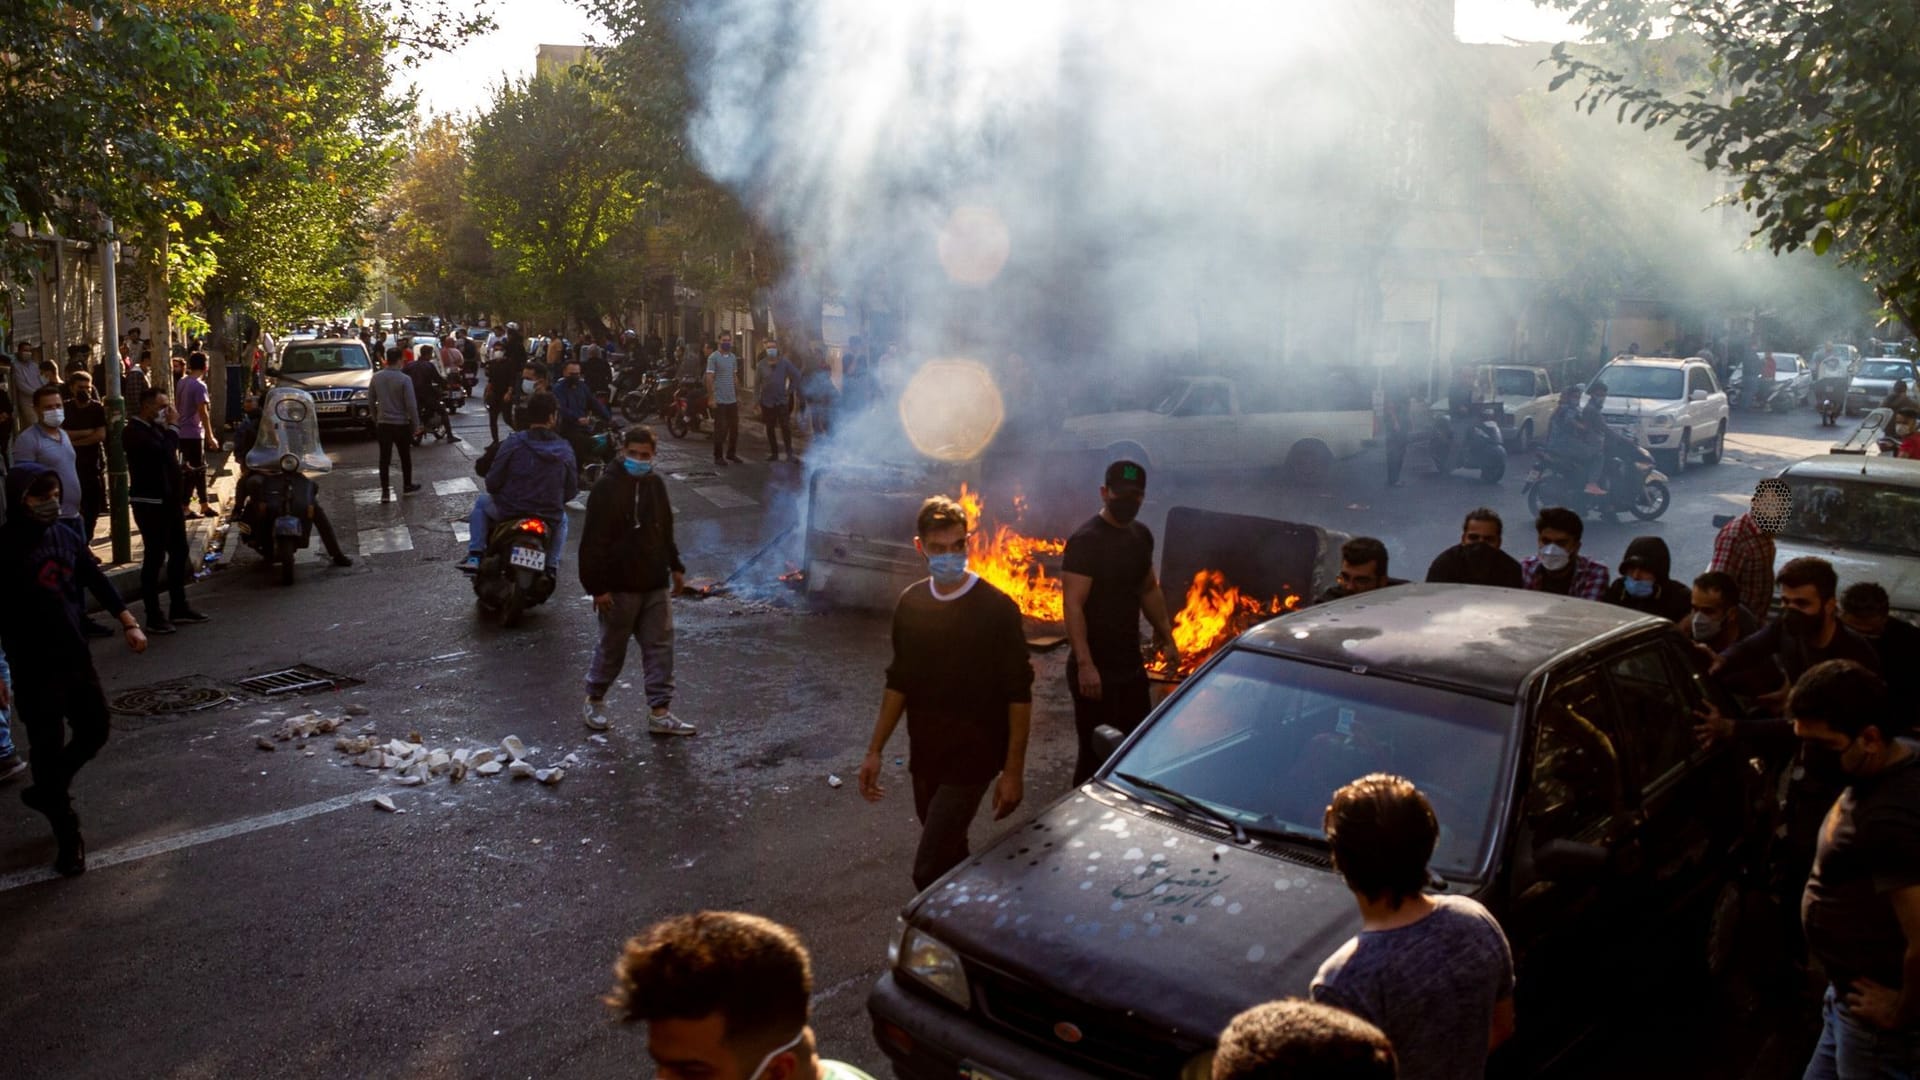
x=1116, y=935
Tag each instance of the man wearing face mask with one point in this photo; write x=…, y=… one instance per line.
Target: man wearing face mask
x=1108, y=580
x=1744, y=546
x=1477, y=558
x=1644, y=584
x=961, y=676
x=1861, y=903
x=1808, y=632
x=779, y=382
x=1717, y=619
x=627, y=560
x=158, y=498
x=86, y=425
x=531, y=474
x=1559, y=567
x=723, y=390
x=1866, y=610
x=724, y=997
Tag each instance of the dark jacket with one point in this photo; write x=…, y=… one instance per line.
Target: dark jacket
x=1670, y=599
x=533, y=473
x=627, y=545
x=429, y=386
x=42, y=570
x=153, y=463
x=576, y=400
x=1476, y=564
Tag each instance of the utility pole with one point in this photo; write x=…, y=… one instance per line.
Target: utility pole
x=118, y=517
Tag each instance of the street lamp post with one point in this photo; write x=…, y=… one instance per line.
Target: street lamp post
x=118, y=516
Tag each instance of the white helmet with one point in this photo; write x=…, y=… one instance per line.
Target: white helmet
x=513, y=326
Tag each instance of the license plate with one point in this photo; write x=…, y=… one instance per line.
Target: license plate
x=970, y=1071
x=1533, y=476
x=287, y=525
x=332, y=410
x=528, y=558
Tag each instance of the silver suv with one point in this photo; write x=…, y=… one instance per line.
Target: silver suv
x=1672, y=407
x=336, y=371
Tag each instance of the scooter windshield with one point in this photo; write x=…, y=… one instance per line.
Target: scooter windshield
x=289, y=424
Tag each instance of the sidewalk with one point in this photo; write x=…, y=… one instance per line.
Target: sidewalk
x=223, y=477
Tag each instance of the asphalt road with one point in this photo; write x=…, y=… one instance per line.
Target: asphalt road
x=249, y=914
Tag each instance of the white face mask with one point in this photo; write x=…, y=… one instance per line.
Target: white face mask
x=776, y=1052
x=1554, y=557
x=53, y=418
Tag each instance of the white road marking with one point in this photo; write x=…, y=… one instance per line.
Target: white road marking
x=725, y=497
x=100, y=860
x=459, y=485
x=383, y=541
x=462, y=532
x=367, y=496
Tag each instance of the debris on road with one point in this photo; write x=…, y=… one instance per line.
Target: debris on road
x=515, y=749
x=489, y=768
x=382, y=802
x=264, y=743
x=521, y=770
x=357, y=710
x=834, y=781
x=550, y=776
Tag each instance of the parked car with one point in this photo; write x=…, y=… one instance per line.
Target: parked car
x=1673, y=407
x=1118, y=932
x=1528, y=395
x=1211, y=422
x=1862, y=514
x=335, y=371
x=1875, y=379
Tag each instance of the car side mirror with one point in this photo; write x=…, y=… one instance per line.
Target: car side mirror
x=1107, y=740
x=1720, y=521
x=1571, y=861
x=1697, y=395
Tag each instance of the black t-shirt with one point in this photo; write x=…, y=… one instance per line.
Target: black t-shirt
x=960, y=662
x=1869, y=847
x=1118, y=558
x=86, y=416
x=1899, y=649
x=1754, y=662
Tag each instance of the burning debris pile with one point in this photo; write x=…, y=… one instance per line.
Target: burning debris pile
x=1214, y=613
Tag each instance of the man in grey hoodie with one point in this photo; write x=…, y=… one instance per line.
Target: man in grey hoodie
x=396, y=421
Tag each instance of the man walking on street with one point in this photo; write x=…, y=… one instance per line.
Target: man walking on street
x=1107, y=576
x=158, y=500
x=86, y=425
x=779, y=384
x=54, y=684
x=396, y=420
x=191, y=399
x=1744, y=546
x=723, y=391
x=47, y=443
x=628, y=558
x=1433, y=972
x=961, y=676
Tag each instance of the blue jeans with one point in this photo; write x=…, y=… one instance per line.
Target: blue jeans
x=481, y=523
x=6, y=726
x=1851, y=1049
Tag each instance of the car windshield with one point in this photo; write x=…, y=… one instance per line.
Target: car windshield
x=312, y=359
x=1886, y=369
x=1508, y=382
x=1266, y=741
x=1170, y=397
x=1663, y=384
x=1855, y=514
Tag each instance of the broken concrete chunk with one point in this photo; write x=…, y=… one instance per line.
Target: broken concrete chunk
x=439, y=758
x=550, y=776
x=570, y=759
x=263, y=743
x=372, y=759
x=481, y=756
x=414, y=737
x=489, y=768
x=461, y=756
x=521, y=770
x=326, y=727
x=408, y=780
x=356, y=710
x=834, y=781
x=382, y=802
x=355, y=745
x=459, y=772
x=597, y=740
x=514, y=747
x=397, y=747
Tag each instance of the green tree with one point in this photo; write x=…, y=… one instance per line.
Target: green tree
x=1813, y=112
x=435, y=250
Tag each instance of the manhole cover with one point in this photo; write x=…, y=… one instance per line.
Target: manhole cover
x=298, y=679
x=190, y=694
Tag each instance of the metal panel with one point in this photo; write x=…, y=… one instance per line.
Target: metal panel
x=1264, y=557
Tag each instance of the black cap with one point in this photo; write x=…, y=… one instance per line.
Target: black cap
x=1126, y=474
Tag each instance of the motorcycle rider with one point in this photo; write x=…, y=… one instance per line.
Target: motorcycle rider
x=576, y=399
x=430, y=389
x=1566, y=441
x=252, y=480
x=532, y=474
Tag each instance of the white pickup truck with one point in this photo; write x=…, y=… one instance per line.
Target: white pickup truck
x=1528, y=395
x=1213, y=422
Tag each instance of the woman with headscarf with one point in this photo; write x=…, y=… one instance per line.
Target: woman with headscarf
x=1645, y=583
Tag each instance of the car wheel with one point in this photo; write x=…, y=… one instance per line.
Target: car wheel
x=1719, y=448
x=1681, y=455
x=1309, y=462
x=1526, y=437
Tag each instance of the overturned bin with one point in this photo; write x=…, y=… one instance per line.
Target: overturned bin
x=859, y=530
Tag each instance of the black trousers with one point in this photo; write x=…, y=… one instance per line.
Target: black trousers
x=495, y=407
x=945, y=812
x=93, y=492
x=726, y=431
x=777, y=417
x=394, y=436
x=1124, y=702
x=193, y=458
x=51, y=698
x=163, y=532
x=1396, y=457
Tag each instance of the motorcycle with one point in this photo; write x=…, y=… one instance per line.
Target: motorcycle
x=646, y=395
x=513, y=573
x=595, y=451
x=1830, y=397
x=1485, y=450
x=278, y=495
x=687, y=411
x=1775, y=395
x=1634, y=485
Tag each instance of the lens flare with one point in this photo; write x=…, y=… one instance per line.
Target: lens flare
x=951, y=409
x=974, y=245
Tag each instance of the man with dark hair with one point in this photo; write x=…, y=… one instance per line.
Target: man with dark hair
x=1808, y=631
x=86, y=426
x=1363, y=568
x=1861, y=905
x=1744, y=546
x=723, y=391
x=396, y=421
x=961, y=676
x=1645, y=583
x=577, y=405
x=158, y=499
x=1433, y=972
x=1477, y=558
x=1718, y=619
x=1559, y=567
x=1866, y=610
x=532, y=474
x=195, y=425
x=1301, y=1040
x=724, y=996
x=628, y=558
x=1107, y=578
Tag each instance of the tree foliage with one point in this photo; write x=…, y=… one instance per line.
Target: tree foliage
x=1814, y=111
x=435, y=250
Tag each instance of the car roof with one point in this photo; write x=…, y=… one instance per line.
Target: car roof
x=1481, y=639
x=332, y=341
x=1887, y=471
x=1664, y=361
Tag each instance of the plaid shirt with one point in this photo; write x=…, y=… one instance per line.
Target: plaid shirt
x=1742, y=550
x=1589, y=577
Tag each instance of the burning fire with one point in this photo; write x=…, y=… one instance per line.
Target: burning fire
x=1010, y=562
x=1214, y=613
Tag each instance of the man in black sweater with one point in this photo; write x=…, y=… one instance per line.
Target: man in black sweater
x=158, y=496
x=627, y=557
x=961, y=675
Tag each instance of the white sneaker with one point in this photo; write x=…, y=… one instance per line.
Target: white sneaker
x=595, y=714
x=669, y=724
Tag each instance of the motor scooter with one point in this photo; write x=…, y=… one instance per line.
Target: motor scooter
x=1485, y=449
x=277, y=495
x=514, y=573
x=1634, y=485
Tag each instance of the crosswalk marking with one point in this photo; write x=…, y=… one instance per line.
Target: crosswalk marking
x=383, y=541
x=462, y=532
x=456, y=486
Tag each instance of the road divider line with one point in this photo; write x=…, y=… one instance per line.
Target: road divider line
x=146, y=849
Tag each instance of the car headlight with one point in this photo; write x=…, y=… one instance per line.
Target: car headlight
x=359, y=395
x=1661, y=421
x=937, y=967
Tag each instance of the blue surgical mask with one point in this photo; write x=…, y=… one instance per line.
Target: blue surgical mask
x=771, y=353
x=635, y=467
x=526, y=386
x=948, y=569
x=1637, y=588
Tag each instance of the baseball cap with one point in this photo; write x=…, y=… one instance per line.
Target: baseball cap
x=1125, y=473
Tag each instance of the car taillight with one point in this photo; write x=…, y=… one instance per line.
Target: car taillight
x=533, y=525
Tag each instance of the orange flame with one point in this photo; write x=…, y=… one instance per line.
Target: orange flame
x=1010, y=562
x=1214, y=613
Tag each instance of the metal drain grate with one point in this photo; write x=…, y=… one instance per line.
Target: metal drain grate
x=298, y=679
x=185, y=695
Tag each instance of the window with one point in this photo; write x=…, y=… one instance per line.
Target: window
x=1655, y=383
x=1698, y=379
x=1655, y=715
x=1575, y=786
